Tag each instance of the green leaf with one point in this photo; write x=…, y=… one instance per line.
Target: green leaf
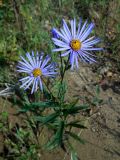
x=96, y=101
x=4, y=115
x=73, y=152
x=60, y=133
x=97, y=90
x=74, y=155
x=61, y=91
x=74, y=110
x=67, y=65
x=42, y=105
x=73, y=124
x=76, y=137
x=47, y=119
x=73, y=103
x=57, y=139
x=1, y=125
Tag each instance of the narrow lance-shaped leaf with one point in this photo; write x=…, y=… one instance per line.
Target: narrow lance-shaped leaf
x=74, y=155
x=62, y=91
x=73, y=152
x=97, y=90
x=47, y=119
x=35, y=105
x=76, y=137
x=57, y=138
x=74, y=109
x=60, y=133
x=77, y=125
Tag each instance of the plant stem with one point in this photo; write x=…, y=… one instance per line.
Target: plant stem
x=65, y=68
x=53, y=97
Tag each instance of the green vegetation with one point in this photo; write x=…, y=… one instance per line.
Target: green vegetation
x=25, y=25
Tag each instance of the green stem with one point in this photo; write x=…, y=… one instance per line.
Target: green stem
x=53, y=97
x=65, y=68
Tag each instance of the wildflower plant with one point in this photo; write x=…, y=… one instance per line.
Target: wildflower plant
x=61, y=115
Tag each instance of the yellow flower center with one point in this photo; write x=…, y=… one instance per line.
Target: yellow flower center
x=75, y=44
x=37, y=72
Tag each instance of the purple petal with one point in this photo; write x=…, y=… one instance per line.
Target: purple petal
x=82, y=29
x=87, y=32
x=65, y=54
x=33, y=87
x=60, y=49
x=54, y=33
x=40, y=83
x=79, y=27
x=29, y=84
x=66, y=29
x=24, y=83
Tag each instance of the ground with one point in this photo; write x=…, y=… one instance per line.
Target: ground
x=103, y=134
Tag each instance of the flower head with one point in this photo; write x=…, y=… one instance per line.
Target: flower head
x=36, y=68
x=75, y=42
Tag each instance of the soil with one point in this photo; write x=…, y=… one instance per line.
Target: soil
x=103, y=134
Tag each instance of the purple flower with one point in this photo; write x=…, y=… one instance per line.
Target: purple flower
x=36, y=67
x=54, y=33
x=75, y=42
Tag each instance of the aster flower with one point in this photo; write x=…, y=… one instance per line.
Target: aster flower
x=36, y=67
x=76, y=42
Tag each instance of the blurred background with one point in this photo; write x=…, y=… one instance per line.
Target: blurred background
x=25, y=25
